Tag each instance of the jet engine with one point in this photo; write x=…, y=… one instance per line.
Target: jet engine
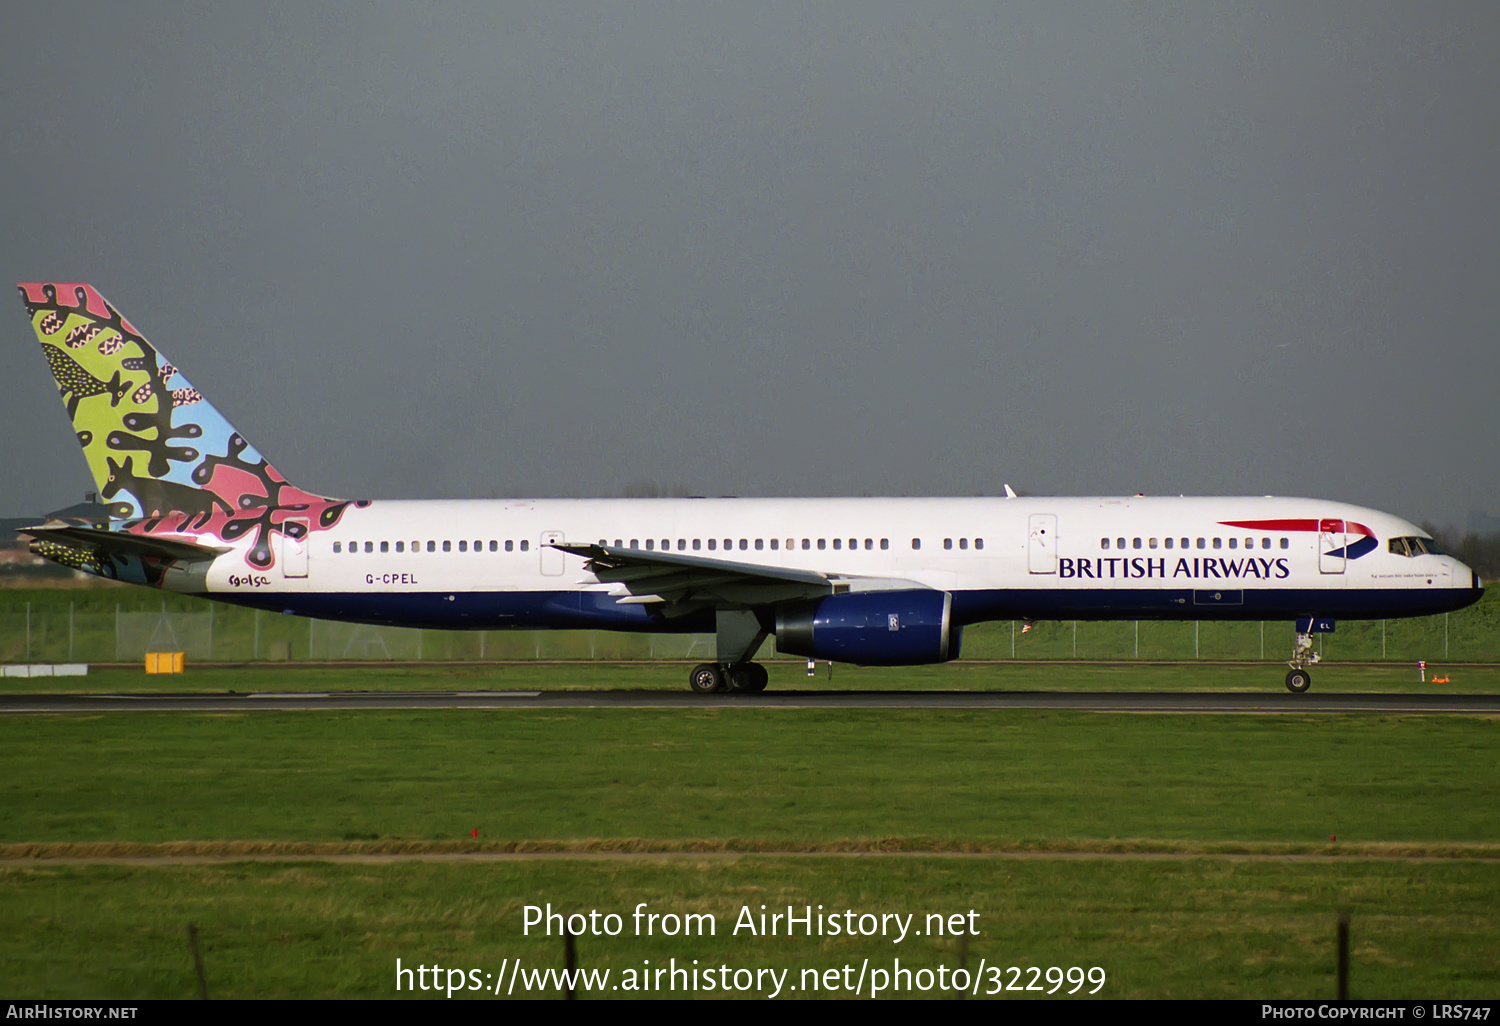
x=872, y=628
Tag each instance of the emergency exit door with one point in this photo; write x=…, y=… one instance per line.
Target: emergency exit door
x=1041, y=545
x=1333, y=546
x=552, y=559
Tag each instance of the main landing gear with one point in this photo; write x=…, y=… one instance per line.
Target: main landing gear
x=748, y=678
x=1303, y=656
x=738, y=636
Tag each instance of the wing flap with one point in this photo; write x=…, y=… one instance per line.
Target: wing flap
x=684, y=582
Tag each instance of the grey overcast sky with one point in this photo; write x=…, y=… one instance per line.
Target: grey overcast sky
x=778, y=249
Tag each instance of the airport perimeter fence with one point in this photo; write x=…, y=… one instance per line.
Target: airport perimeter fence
x=110, y=626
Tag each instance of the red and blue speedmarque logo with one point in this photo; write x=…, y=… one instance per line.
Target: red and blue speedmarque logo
x=1352, y=548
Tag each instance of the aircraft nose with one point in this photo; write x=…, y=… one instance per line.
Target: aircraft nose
x=1462, y=570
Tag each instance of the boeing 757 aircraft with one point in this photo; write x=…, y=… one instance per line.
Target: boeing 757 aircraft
x=192, y=507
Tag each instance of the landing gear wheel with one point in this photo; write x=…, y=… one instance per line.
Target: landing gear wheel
x=706, y=678
x=1298, y=681
x=748, y=678
x=760, y=678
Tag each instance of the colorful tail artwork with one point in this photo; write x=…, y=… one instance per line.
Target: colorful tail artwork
x=166, y=462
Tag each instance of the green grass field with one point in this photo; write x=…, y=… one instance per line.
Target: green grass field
x=1160, y=929
x=1047, y=795
x=783, y=776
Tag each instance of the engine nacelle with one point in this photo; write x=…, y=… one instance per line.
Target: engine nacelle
x=871, y=628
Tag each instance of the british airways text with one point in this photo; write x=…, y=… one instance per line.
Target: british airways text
x=1132, y=567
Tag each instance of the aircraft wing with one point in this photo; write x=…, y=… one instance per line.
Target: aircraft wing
x=683, y=582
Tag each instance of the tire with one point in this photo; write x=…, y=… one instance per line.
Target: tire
x=1298, y=681
x=706, y=678
x=759, y=678
x=748, y=678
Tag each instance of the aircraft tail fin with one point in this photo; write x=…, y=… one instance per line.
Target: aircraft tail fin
x=159, y=451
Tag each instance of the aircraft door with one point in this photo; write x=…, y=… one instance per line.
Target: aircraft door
x=1041, y=546
x=294, y=547
x=1333, y=546
x=552, y=559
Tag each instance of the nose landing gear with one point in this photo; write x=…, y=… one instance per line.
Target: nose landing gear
x=1303, y=656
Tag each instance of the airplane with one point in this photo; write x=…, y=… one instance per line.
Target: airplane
x=191, y=506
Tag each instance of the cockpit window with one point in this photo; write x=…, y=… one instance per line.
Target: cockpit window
x=1415, y=547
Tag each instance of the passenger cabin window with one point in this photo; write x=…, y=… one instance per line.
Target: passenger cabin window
x=510, y=545
x=1231, y=543
x=525, y=545
x=1166, y=543
x=1150, y=543
x=979, y=543
x=447, y=546
x=885, y=543
x=697, y=543
x=1135, y=543
x=463, y=545
x=822, y=544
x=401, y=546
x=963, y=543
x=1119, y=543
x=385, y=546
x=1202, y=544
x=339, y=547
x=1265, y=543
x=744, y=544
x=838, y=543
x=806, y=543
x=947, y=543
x=713, y=543
x=774, y=543
x=916, y=543
x=1104, y=543
x=369, y=546
x=759, y=544
x=432, y=546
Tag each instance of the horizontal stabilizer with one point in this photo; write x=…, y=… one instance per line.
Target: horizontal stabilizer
x=122, y=543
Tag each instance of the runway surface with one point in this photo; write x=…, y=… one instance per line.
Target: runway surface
x=1077, y=701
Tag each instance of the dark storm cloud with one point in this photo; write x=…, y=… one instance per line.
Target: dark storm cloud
x=781, y=249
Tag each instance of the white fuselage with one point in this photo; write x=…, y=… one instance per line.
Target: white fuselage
x=999, y=557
